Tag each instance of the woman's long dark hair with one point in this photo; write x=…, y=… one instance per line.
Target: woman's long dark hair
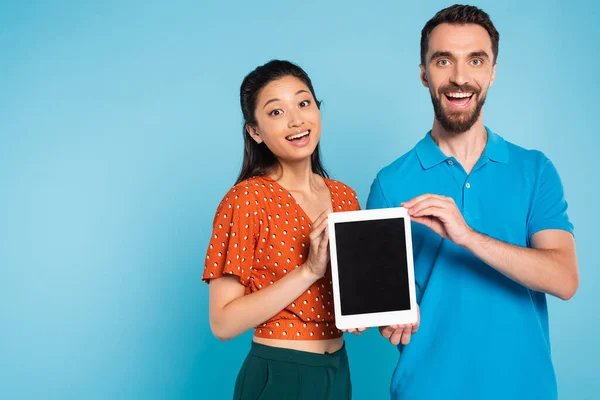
x=258, y=159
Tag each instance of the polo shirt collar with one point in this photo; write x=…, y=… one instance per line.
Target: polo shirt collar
x=430, y=155
x=496, y=148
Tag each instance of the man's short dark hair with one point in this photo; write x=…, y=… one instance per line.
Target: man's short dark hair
x=459, y=14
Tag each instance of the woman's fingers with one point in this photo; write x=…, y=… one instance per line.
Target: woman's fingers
x=324, y=240
x=321, y=217
x=318, y=229
x=396, y=336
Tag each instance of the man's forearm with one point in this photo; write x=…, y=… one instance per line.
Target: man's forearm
x=550, y=271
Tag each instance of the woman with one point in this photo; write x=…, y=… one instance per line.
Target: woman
x=268, y=256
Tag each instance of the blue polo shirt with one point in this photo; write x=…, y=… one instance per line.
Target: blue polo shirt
x=482, y=335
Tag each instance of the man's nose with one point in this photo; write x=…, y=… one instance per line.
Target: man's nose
x=459, y=75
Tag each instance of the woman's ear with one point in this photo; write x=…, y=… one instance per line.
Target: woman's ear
x=254, y=133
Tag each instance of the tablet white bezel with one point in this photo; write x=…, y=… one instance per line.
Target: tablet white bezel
x=380, y=318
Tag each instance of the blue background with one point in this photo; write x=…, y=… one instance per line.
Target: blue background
x=120, y=131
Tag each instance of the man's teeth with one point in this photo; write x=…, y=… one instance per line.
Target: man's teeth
x=459, y=95
x=298, y=136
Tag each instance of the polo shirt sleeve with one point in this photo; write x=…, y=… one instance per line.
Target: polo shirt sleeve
x=231, y=247
x=376, y=198
x=548, y=207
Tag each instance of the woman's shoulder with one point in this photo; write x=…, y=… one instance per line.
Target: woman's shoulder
x=244, y=201
x=250, y=187
x=343, y=196
x=340, y=188
x=244, y=194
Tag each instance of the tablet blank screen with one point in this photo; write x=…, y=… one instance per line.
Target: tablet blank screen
x=372, y=267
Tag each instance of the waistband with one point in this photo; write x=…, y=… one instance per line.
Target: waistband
x=300, y=357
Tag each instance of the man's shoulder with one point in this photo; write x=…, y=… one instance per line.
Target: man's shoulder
x=407, y=162
x=526, y=158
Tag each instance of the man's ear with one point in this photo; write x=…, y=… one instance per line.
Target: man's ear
x=493, y=74
x=424, y=80
x=254, y=133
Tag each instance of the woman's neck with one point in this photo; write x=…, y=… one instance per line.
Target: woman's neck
x=296, y=176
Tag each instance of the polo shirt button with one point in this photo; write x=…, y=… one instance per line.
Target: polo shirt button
x=468, y=185
x=450, y=162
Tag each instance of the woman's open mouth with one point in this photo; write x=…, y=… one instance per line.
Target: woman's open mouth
x=298, y=136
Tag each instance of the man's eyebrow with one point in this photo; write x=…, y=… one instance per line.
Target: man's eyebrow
x=438, y=54
x=480, y=53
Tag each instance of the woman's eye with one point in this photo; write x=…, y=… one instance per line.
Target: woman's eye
x=305, y=103
x=276, y=112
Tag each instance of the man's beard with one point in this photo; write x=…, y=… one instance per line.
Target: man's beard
x=457, y=122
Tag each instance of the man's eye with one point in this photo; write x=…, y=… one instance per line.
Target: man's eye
x=443, y=63
x=476, y=62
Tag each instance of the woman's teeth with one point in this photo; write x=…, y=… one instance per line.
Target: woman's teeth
x=298, y=136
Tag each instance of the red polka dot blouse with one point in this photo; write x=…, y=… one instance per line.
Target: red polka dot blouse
x=259, y=234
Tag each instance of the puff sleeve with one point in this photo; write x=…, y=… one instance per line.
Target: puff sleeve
x=234, y=237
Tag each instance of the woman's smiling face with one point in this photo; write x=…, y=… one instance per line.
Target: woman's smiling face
x=288, y=119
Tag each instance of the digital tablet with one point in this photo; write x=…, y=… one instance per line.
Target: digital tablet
x=372, y=268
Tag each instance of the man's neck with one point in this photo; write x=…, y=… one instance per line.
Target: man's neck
x=465, y=147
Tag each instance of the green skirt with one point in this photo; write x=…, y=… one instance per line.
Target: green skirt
x=283, y=374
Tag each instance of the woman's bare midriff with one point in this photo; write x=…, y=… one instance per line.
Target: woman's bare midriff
x=311, y=346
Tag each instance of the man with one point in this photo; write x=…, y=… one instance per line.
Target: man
x=491, y=235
